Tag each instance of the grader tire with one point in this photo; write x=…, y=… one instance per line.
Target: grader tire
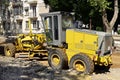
x=9, y=50
x=82, y=63
x=57, y=59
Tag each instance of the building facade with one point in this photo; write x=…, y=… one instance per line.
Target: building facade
x=26, y=11
x=5, y=20
x=21, y=14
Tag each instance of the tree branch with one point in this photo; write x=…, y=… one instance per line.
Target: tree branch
x=105, y=20
x=115, y=15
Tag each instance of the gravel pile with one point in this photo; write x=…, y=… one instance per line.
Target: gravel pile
x=19, y=69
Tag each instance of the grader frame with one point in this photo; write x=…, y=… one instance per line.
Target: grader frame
x=79, y=49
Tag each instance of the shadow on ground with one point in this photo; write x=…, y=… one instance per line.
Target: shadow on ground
x=33, y=71
x=101, y=69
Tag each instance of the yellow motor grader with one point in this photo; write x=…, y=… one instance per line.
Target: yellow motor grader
x=70, y=46
x=26, y=45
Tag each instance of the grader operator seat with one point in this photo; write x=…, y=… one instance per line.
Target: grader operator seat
x=56, y=24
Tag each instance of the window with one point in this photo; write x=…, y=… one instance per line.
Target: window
x=48, y=28
x=26, y=12
x=8, y=14
x=27, y=25
x=37, y=24
x=34, y=10
x=56, y=27
x=67, y=22
x=18, y=10
x=4, y=12
x=34, y=24
x=20, y=27
x=8, y=26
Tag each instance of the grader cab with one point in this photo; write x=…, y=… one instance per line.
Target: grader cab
x=69, y=46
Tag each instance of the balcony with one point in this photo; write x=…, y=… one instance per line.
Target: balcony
x=17, y=3
x=19, y=17
x=32, y=2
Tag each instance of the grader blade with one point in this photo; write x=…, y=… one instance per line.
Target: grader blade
x=22, y=55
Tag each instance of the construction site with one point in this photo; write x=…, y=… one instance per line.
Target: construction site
x=83, y=55
x=39, y=44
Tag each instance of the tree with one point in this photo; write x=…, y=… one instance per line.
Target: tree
x=81, y=8
x=102, y=6
x=88, y=9
x=60, y=5
x=3, y=2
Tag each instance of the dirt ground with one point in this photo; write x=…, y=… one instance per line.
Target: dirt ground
x=19, y=69
x=116, y=60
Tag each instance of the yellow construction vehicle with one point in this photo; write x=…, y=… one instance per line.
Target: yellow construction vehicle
x=69, y=46
x=27, y=45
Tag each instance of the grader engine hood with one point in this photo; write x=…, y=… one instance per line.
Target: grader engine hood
x=82, y=40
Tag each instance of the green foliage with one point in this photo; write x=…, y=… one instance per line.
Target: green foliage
x=99, y=28
x=4, y=2
x=60, y=5
x=54, y=3
x=99, y=4
x=118, y=31
x=84, y=9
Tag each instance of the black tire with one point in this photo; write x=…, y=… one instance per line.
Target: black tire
x=62, y=59
x=9, y=50
x=82, y=63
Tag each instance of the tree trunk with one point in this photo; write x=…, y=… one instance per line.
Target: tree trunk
x=109, y=30
x=109, y=25
x=90, y=22
x=115, y=15
x=106, y=22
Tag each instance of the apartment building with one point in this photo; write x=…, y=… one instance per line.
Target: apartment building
x=16, y=15
x=25, y=11
x=4, y=19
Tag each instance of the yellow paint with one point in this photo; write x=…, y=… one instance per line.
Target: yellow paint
x=81, y=42
x=79, y=65
x=55, y=59
x=30, y=42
